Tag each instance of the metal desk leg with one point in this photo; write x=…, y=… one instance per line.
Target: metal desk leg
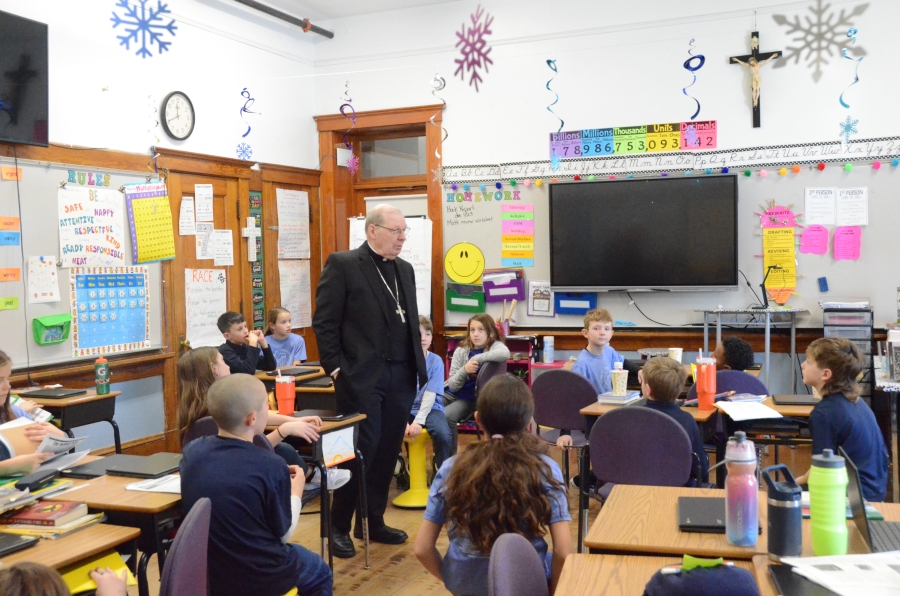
x=766, y=366
x=324, y=513
x=116, y=436
x=583, y=500
x=143, y=587
x=793, y=360
x=706, y=332
x=363, y=503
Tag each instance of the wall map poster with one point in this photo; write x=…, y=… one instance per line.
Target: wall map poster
x=110, y=310
x=150, y=217
x=257, y=270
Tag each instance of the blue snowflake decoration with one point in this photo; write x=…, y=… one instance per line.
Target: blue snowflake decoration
x=554, y=162
x=144, y=25
x=244, y=151
x=848, y=127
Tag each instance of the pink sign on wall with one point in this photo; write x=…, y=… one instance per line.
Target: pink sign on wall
x=847, y=241
x=814, y=240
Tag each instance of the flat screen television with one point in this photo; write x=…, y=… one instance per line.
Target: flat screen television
x=644, y=234
x=24, y=88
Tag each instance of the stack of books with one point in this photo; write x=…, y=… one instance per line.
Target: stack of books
x=618, y=400
x=48, y=519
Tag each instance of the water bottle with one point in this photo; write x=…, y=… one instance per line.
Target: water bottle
x=101, y=375
x=785, y=514
x=828, y=504
x=549, y=352
x=706, y=383
x=741, y=492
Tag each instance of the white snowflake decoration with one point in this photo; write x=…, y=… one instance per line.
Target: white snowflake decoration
x=474, y=56
x=144, y=25
x=848, y=127
x=244, y=151
x=437, y=174
x=818, y=37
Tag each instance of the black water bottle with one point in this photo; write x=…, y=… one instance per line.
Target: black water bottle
x=785, y=524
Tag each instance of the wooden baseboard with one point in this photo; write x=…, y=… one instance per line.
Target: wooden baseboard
x=143, y=446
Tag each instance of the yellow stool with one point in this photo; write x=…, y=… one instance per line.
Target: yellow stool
x=417, y=495
x=292, y=592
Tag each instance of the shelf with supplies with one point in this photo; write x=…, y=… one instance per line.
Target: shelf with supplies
x=856, y=325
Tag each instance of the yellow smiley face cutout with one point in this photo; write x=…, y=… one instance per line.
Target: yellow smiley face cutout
x=464, y=263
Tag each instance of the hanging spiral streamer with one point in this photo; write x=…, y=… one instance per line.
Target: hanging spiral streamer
x=153, y=118
x=691, y=68
x=437, y=84
x=552, y=65
x=852, y=35
x=248, y=101
x=348, y=103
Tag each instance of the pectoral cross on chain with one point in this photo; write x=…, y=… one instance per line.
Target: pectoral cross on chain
x=401, y=312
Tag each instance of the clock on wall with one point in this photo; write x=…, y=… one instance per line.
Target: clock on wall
x=178, y=115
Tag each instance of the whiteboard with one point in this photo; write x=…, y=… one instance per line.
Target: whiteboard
x=876, y=275
x=40, y=236
x=416, y=251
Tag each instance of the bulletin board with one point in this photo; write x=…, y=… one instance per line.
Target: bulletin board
x=874, y=275
x=39, y=224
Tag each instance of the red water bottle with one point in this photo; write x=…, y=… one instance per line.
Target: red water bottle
x=706, y=383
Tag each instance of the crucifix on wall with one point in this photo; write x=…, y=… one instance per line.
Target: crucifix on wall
x=754, y=61
x=251, y=233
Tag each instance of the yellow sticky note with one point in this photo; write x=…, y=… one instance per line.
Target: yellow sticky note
x=10, y=173
x=9, y=303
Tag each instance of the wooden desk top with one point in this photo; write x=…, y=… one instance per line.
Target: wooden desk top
x=264, y=376
x=598, y=409
x=307, y=389
x=690, y=380
x=108, y=493
x=74, y=547
x=91, y=395
x=791, y=411
x=614, y=575
x=329, y=425
x=644, y=520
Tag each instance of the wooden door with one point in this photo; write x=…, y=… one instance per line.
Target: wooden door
x=225, y=216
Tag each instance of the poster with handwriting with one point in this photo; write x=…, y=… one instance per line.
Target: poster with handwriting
x=205, y=300
x=150, y=216
x=293, y=277
x=91, y=227
x=293, y=223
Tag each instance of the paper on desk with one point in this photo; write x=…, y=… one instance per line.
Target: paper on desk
x=62, y=462
x=170, y=483
x=743, y=410
x=872, y=574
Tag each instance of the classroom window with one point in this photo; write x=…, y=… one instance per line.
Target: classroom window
x=383, y=158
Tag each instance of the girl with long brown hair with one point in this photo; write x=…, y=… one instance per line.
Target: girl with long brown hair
x=506, y=484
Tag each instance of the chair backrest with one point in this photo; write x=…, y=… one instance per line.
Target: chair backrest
x=488, y=371
x=638, y=445
x=515, y=568
x=184, y=573
x=735, y=380
x=206, y=426
x=559, y=397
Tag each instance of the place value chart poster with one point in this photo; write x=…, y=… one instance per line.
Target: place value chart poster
x=110, y=310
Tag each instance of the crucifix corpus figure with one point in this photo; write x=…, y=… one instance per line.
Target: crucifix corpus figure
x=754, y=61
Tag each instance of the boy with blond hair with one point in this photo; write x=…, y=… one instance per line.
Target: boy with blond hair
x=662, y=380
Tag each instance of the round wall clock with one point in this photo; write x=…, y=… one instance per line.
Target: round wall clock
x=178, y=116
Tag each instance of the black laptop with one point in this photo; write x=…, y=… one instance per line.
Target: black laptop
x=98, y=467
x=702, y=514
x=53, y=393
x=794, y=584
x=147, y=466
x=296, y=371
x=322, y=382
x=10, y=543
x=881, y=536
x=795, y=400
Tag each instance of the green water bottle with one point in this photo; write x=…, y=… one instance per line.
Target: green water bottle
x=828, y=504
x=101, y=374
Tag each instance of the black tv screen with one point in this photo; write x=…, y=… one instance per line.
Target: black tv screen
x=653, y=234
x=24, y=90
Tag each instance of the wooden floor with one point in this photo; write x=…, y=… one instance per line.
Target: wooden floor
x=395, y=570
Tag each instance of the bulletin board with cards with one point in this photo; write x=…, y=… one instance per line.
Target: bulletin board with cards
x=73, y=237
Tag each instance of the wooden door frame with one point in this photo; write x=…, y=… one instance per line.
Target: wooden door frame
x=384, y=124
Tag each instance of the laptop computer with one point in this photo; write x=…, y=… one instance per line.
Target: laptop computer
x=96, y=468
x=795, y=400
x=881, y=536
x=10, y=543
x=53, y=393
x=296, y=371
x=702, y=514
x=323, y=382
x=794, y=584
x=151, y=466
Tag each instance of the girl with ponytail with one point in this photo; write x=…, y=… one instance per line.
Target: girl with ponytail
x=506, y=484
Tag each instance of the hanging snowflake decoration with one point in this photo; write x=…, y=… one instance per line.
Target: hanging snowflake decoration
x=244, y=151
x=144, y=25
x=474, y=51
x=848, y=127
x=437, y=174
x=353, y=164
x=819, y=37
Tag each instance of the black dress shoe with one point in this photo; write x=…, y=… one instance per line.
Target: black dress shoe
x=341, y=546
x=383, y=534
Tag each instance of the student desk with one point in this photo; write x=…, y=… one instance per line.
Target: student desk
x=892, y=388
x=155, y=514
x=314, y=398
x=615, y=575
x=643, y=520
x=82, y=410
x=76, y=547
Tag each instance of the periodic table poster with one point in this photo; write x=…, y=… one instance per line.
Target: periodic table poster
x=110, y=310
x=150, y=217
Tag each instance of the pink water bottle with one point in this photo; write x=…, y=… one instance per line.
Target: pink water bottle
x=741, y=492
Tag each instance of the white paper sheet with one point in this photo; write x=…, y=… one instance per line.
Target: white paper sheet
x=202, y=240
x=164, y=484
x=62, y=462
x=222, y=246
x=92, y=228
x=43, y=283
x=54, y=444
x=540, y=299
x=295, y=291
x=293, y=223
x=874, y=574
x=743, y=410
x=205, y=300
x=203, y=193
x=187, y=226
x=852, y=207
x=819, y=207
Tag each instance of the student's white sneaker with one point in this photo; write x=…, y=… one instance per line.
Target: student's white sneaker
x=336, y=479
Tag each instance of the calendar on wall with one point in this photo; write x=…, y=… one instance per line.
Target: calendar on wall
x=150, y=219
x=110, y=310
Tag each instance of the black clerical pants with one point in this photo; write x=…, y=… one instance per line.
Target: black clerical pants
x=380, y=439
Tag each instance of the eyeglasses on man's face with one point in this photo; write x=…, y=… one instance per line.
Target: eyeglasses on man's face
x=395, y=232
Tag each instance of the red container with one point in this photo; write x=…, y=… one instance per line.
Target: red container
x=706, y=383
x=285, y=394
